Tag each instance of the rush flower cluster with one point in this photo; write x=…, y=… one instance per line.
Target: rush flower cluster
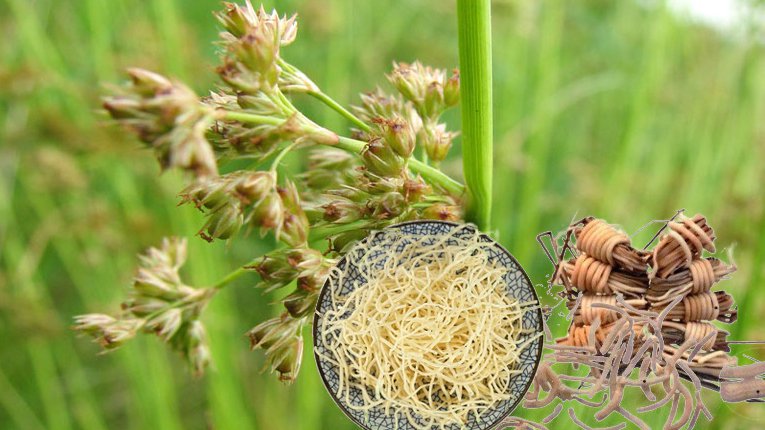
x=384, y=170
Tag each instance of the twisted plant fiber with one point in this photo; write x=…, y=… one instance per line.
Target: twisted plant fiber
x=611, y=364
x=604, y=242
x=678, y=332
x=684, y=242
x=580, y=335
x=698, y=278
x=707, y=306
x=587, y=312
x=587, y=274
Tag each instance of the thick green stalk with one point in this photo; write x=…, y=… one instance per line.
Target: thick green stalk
x=474, y=22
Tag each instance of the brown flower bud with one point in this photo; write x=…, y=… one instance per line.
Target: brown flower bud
x=343, y=241
x=443, y=212
x=300, y=302
x=415, y=189
x=388, y=206
x=381, y=160
x=398, y=134
x=437, y=141
x=286, y=358
x=268, y=214
x=223, y=223
x=343, y=211
x=294, y=231
x=452, y=89
x=270, y=332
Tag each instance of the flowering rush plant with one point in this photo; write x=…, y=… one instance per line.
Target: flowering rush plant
x=364, y=179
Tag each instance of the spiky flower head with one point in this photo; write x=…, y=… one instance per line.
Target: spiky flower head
x=107, y=331
x=381, y=159
x=437, y=141
x=158, y=303
x=236, y=199
x=430, y=90
x=253, y=40
x=281, y=339
x=397, y=133
x=294, y=231
x=279, y=268
x=168, y=117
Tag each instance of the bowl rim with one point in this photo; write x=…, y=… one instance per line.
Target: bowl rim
x=539, y=342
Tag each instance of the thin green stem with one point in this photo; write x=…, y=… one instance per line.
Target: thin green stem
x=474, y=22
x=231, y=277
x=329, y=101
x=280, y=156
x=430, y=174
x=320, y=95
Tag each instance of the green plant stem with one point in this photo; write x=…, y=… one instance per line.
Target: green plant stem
x=232, y=276
x=280, y=156
x=474, y=22
x=337, y=107
x=430, y=174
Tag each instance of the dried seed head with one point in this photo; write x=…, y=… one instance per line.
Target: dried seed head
x=92, y=323
x=237, y=20
x=167, y=323
x=109, y=332
x=158, y=275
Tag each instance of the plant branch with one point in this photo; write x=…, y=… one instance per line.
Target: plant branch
x=431, y=174
x=329, y=101
x=474, y=27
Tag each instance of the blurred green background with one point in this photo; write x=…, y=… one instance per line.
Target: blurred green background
x=624, y=110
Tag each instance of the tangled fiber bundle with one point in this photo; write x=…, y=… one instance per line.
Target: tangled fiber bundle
x=431, y=333
x=639, y=320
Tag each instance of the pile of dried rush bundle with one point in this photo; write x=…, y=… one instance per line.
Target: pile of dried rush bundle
x=639, y=319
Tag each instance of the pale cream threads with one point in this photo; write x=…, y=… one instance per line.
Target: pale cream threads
x=432, y=334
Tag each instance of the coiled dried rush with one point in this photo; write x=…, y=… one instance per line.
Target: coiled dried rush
x=587, y=274
x=604, y=242
x=660, y=324
x=686, y=240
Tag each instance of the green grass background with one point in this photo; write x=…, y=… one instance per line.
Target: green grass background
x=617, y=109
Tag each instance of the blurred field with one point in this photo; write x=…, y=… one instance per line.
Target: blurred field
x=615, y=109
